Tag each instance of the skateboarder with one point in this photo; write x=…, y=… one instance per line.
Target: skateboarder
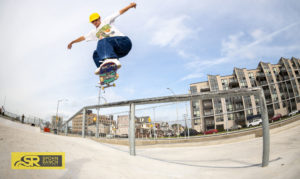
x=112, y=44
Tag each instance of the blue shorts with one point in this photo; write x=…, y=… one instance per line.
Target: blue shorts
x=111, y=47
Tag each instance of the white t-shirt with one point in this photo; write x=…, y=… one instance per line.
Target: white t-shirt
x=106, y=29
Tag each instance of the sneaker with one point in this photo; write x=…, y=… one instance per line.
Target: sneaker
x=113, y=60
x=97, y=72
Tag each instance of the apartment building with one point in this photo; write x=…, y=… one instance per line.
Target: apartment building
x=106, y=123
x=280, y=83
x=142, y=126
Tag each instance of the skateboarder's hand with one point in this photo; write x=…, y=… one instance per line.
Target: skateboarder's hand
x=70, y=46
x=133, y=4
x=76, y=41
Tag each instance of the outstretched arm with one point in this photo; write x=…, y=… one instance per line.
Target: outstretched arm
x=131, y=5
x=76, y=41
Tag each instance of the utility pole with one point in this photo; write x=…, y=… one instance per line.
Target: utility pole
x=97, y=120
x=154, y=123
x=56, y=121
x=176, y=112
x=98, y=110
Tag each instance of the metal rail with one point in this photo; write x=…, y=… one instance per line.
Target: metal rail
x=185, y=97
x=175, y=98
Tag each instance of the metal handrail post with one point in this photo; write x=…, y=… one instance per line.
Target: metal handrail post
x=265, y=128
x=132, y=130
x=83, y=122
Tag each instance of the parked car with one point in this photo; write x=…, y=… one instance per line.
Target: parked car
x=211, y=131
x=109, y=136
x=254, y=122
x=124, y=136
x=235, y=127
x=276, y=117
x=293, y=113
x=193, y=132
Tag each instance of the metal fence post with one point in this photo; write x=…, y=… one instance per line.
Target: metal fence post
x=132, y=130
x=265, y=128
x=83, y=122
x=66, y=129
x=97, y=124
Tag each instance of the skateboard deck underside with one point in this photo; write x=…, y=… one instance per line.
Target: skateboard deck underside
x=108, y=74
x=108, y=77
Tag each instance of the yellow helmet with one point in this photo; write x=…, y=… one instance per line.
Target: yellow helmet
x=94, y=16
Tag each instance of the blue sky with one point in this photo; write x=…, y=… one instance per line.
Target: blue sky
x=174, y=44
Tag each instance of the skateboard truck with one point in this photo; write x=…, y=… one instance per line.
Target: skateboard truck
x=107, y=86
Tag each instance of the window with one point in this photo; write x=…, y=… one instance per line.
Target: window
x=276, y=105
x=249, y=112
x=195, y=104
x=213, y=82
x=193, y=89
x=196, y=113
x=197, y=121
x=219, y=118
x=250, y=74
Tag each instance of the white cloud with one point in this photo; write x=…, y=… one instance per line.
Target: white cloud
x=232, y=44
x=192, y=76
x=257, y=34
x=236, y=47
x=169, y=32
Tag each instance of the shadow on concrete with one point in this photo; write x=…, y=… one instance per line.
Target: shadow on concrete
x=184, y=162
x=178, y=162
x=73, y=168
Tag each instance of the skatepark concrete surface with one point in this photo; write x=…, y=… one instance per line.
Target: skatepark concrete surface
x=86, y=158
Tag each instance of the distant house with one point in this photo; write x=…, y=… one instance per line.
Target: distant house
x=106, y=123
x=142, y=126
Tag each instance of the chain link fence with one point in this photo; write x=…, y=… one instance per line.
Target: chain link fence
x=28, y=119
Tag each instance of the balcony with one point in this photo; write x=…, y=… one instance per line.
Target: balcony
x=209, y=122
x=260, y=75
x=289, y=86
x=262, y=83
x=267, y=93
x=238, y=107
x=283, y=69
x=204, y=89
x=207, y=105
x=268, y=100
x=234, y=84
x=208, y=113
x=237, y=100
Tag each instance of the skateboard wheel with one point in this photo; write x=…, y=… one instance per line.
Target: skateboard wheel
x=114, y=84
x=102, y=87
x=101, y=79
x=117, y=76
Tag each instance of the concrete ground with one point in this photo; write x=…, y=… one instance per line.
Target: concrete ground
x=86, y=158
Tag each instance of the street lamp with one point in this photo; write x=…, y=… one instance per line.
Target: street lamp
x=186, y=116
x=176, y=111
x=58, y=101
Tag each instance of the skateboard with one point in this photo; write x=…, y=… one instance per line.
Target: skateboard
x=108, y=74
